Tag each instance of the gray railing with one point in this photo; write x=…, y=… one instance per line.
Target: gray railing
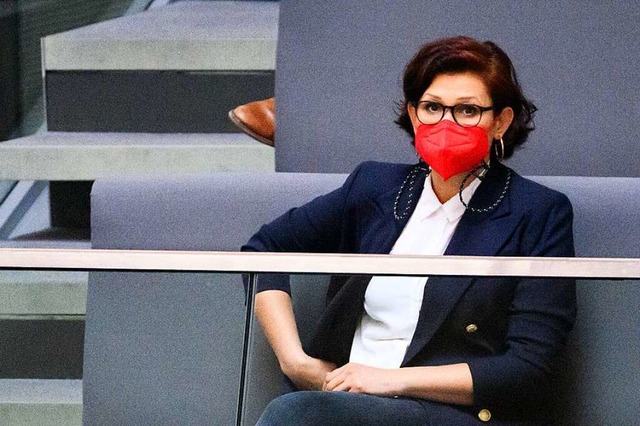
x=306, y=263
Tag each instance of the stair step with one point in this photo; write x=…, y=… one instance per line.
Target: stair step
x=42, y=324
x=51, y=237
x=25, y=294
x=190, y=35
x=176, y=69
x=40, y=402
x=89, y=156
x=42, y=347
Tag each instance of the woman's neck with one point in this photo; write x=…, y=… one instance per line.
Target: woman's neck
x=445, y=190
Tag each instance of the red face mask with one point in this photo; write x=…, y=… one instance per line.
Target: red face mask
x=451, y=149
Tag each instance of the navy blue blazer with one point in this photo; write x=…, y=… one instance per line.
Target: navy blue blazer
x=508, y=330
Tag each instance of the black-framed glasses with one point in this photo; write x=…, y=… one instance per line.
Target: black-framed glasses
x=466, y=115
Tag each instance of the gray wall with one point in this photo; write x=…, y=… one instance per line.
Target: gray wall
x=340, y=66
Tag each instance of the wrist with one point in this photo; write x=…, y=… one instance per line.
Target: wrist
x=293, y=363
x=399, y=381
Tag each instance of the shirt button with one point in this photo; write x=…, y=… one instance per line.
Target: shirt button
x=484, y=415
x=471, y=328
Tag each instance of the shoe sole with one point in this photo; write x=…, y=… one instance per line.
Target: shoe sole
x=240, y=125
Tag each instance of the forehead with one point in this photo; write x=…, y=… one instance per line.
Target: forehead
x=451, y=88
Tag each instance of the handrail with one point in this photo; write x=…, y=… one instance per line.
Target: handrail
x=306, y=263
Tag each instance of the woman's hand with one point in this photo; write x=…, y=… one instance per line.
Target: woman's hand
x=360, y=378
x=451, y=384
x=307, y=373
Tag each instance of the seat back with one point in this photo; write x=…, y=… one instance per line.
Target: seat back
x=264, y=380
x=596, y=383
x=166, y=348
x=340, y=65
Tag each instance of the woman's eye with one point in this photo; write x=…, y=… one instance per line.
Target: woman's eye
x=468, y=110
x=432, y=107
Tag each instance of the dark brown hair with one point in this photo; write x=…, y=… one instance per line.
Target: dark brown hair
x=489, y=62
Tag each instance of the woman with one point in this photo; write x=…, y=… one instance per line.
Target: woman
x=441, y=350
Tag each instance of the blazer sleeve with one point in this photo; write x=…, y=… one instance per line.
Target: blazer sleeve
x=542, y=314
x=315, y=227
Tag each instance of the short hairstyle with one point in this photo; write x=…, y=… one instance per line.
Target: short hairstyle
x=485, y=59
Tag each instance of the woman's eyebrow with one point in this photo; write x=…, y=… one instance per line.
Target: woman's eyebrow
x=437, y=98
x=461, y=99
x=468, y=98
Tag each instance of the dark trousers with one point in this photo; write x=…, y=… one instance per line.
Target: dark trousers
x=342, y=408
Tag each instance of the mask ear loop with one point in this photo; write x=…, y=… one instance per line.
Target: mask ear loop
x=483, y=167
x=480, y=176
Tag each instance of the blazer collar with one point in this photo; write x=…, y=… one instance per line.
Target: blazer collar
x=400, y=200
x=403, y=199
x=478, y=233
x=481, y=233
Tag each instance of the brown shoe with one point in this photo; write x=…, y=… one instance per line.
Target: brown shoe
x=256, y=119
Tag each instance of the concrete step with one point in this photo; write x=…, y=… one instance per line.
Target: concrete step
x=185, y=36
x=40, y=402
x=179, y=68
x=150, y=101
x=51, y=237
x=42, y=324
x=42, y=347
x=61, y=156
x=41, y=294
x=71, y=161
x=41, y=312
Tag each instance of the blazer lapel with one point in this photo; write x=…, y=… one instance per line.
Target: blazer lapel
x=477, y=234
x=334, y=333
x=382, y=234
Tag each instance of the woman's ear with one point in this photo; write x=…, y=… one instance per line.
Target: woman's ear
x=503, y=121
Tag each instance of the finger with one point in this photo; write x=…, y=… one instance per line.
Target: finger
x=326, y=381
x=342, y=387
x=332, y=374
x=324, y=384
x=334, y=383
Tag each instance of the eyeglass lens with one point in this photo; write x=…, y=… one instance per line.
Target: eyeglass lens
x=463, y=114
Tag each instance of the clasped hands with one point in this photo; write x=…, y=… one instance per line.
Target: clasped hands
x=315, y=374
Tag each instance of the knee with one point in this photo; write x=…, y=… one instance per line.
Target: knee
x=284, y=410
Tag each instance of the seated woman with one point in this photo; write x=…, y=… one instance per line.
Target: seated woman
x=438, y=350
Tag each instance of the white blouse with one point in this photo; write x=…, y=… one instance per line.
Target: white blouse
x=392, y=304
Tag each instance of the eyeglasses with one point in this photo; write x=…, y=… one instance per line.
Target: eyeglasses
x=466, y=115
